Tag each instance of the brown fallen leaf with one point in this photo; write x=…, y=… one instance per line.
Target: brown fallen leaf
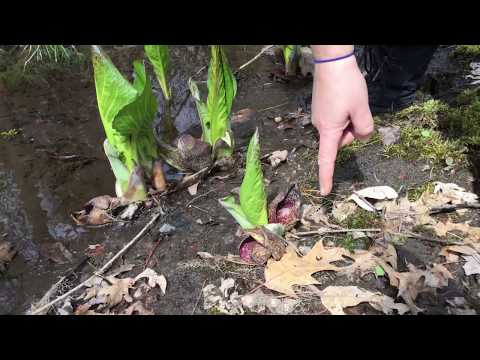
x=293, y=270
x=472, y=233
x=259, y=302
x=7, y=253
x=153, y=279
x=336, y=298
x=342, y=210
x=315, y=214
x=454, y=193
x=138, y=308
x=97, y=211
x=278, y=157
x=115, y=293
x=471, y=256
x=415, y=281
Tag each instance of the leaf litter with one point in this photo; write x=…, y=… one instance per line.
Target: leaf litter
x=107, y=292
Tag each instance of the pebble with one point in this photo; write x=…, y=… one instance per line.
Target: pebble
x=167, y=229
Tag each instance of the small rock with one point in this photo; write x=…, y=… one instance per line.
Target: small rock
x=199, y=221
x=389, y=134
x=278, y=119
x=129, y=212
x=167, y=229
x=306, y=120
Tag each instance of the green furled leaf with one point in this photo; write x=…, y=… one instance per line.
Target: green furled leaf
x=290, y=56
x=135, y=122
x=202, y=111
x=222, y=88
x=379, y=271
x=253, y=198
x=158, y=56
x=120, y=171
x=114, y=92
x=236, y=211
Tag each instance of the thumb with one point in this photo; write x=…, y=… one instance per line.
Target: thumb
x=327, y=154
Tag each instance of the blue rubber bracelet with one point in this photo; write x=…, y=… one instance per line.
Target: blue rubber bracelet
x=321, y=61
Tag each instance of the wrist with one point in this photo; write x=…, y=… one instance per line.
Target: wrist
x=331, y=51
x=340, y=66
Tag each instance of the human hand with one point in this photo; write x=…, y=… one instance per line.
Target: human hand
x=340, y=112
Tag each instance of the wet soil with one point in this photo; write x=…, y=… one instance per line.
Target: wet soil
x=41, y=183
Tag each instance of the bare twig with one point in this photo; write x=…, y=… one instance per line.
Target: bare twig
x=104, y=267
x=450, y=208
x=327, y=231
x=199, y=296
x=198, y=197
x=273, y=107
x=149, y=257
x=265, y=49
x=427, y=238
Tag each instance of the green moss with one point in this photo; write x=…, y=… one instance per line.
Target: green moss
x=9, y=133
x=425, y=113
x=415, y=193
x=345, y=154
x=351, y=244
x=463, y=122
x=214, y=311
x=361, y=219
x=426, y=144
x=468, y=51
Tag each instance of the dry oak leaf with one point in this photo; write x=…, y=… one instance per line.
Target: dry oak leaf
x=117, y=291
x=292, y=269
x=415, y=281
x=7, y=253
x=342, y=210
x=153, y=279
x=472, y=258
x=137, y=307
x=336, y=298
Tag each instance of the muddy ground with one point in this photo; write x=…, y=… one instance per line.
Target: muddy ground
x=41, y=183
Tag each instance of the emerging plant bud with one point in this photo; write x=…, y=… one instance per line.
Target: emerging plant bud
x=285, y=208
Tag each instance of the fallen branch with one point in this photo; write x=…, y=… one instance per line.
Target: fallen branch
x=427, y=238
x=450, y=208
x=321, y=231
x=104, y=267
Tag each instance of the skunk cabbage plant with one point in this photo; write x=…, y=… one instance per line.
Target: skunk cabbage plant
x=127, y=112
x=159, y=58
x=290, y=56
x=252, y=211
x=215, y=113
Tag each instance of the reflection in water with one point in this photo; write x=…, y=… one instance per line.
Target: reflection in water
x=15, y=226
